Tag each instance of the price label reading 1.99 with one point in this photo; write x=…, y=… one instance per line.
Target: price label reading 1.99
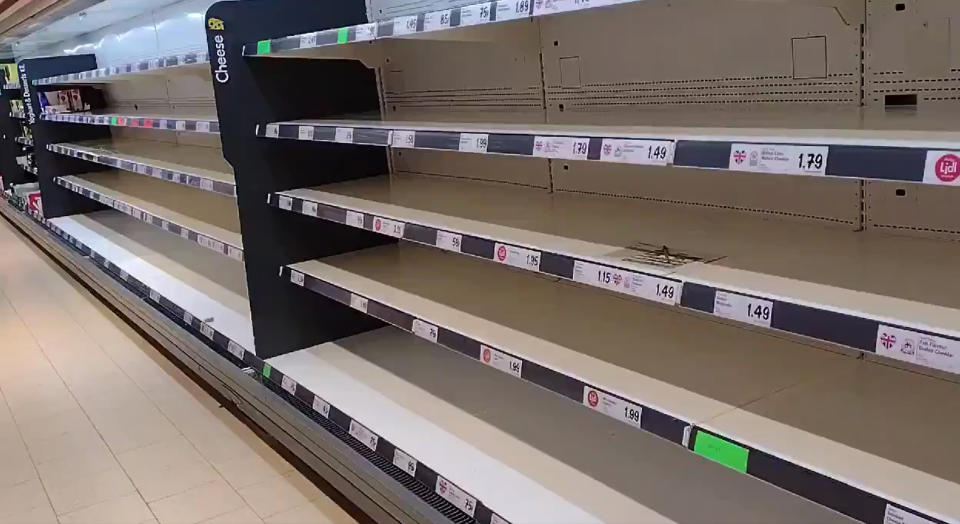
x=751, y=310
x=612, y=406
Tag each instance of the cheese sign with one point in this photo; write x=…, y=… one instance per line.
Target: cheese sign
x=779, y=158
x=612, y=406
x=734, y=306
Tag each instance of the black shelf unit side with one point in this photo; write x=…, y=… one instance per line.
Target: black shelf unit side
x=9, y=148
x=57, y=201
x=250, y=92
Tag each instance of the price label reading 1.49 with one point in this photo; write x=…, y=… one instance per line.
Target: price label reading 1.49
x=644, y=152
x=756, y=311
x=612, y=406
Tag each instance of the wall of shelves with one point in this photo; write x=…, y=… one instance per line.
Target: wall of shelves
x=727, y=265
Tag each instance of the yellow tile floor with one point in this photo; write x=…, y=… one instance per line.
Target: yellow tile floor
x=96, y=426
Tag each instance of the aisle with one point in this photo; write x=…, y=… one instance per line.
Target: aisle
x=96, y=426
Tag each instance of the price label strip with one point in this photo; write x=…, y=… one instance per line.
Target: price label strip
x=779, y=159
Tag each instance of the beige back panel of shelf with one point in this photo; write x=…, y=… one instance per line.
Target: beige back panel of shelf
x=726, y=53
x=912, y=209
x=912, y=50
x=491, y=80
x=533, y=172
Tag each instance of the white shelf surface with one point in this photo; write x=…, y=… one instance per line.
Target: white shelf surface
x=523, y=463
x=212, y=215
x=853, y=420
x=158, y=66
x=187, y=122
x=191, y=277
x=203, y=162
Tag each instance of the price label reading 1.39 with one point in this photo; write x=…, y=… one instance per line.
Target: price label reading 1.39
x=612, y=406
x=517, y=256
x=474, y=142
x=778, y=158
x=756, y=311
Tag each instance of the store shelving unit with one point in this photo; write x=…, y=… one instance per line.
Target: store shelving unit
x=742, y=252
x=141, y=186
x=9, y=139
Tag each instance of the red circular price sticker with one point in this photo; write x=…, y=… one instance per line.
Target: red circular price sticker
x=502, y=253
x=486, y=355
x=947, y=168
x=593, y=398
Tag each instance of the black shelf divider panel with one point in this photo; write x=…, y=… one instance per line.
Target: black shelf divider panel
x=286, y=318
x=57, y=201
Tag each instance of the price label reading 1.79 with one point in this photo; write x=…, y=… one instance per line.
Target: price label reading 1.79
x=562, y=147
x=778, y=158
x=751, y=310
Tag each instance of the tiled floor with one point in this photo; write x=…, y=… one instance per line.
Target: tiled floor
x=97, y=427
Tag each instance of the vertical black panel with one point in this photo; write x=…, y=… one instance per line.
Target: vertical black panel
x=251, y=91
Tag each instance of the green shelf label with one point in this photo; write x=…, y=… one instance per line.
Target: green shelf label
x=113, y=120
x=263, y=47
x=266, y=370
x=719, y=450
x=342, y=35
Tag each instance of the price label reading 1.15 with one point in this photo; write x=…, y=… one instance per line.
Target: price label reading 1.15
x=756, y=311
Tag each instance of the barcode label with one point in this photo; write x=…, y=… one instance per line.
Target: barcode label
x=405, y=462
x=364, y=435
x=425, y=330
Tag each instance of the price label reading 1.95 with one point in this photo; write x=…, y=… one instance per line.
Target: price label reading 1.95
x=517, y=256
x=756, y=311
x=612, y=406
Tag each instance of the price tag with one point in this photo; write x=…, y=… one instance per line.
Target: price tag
x=296, y=277
x=359, y=303
x=203, y=126
x=564, y=147
x=285, y=202
x=354, y=219
x=321, y=407
x=393, y=228
x=756, y=311
x=512, y=9
x=163, y=123
x=181, y=125
x=615, y=407
x=404, y=25
x=456, y=496
x=436, y=20
x=343, y=135
x=895, y=515
x=154, y=296
x=289, y=385
x=658, y=289
x=206, y=184
x=405, y=462
x=404, y=139
x=619, y=280
x=234, y=253
x=206, y=330
x=185, y=233
x=777, y=158
x=309, y=208
x=497, y=519
x=449, y=241
x=271, y=130
x=165, y=225
x=500, y=360
x=187, y=318
x=308, y=40
x=305, y=133
x=425, y=330
x=942, y=167
x=154, y=64
x=364, y=435
x=517, y=256
x=918, y=348
x=643, y=152
x=366, y=32
x=474, y=142
x=234, y=349
x=475, y=14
